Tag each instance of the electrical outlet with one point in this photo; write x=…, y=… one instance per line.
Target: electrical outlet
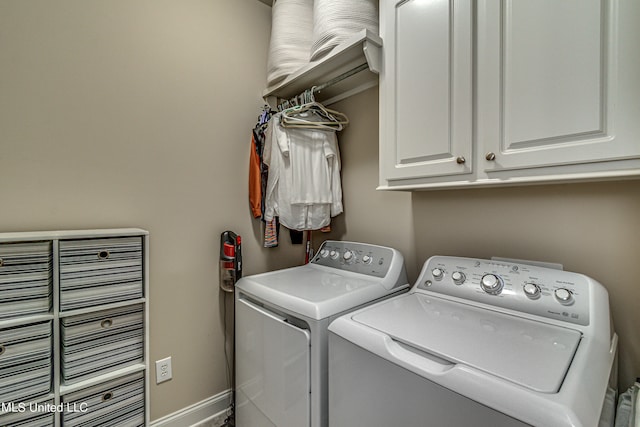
x=163, y=370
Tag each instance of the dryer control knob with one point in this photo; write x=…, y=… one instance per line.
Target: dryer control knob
x=348, y=256
x=334, y=254
x=531, y=290
x=491, y=284
x=458, y=277
x=367, y=259
x=564, y=296
x=437, y=273
x=324, y=253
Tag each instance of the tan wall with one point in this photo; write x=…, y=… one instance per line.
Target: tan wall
x=380, y=218
x=591, y=228
x=138, y=113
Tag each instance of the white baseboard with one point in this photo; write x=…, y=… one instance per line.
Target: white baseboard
x=196, y=413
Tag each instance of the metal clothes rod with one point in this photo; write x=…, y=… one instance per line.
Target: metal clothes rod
x=341, y=77
x=317, y=89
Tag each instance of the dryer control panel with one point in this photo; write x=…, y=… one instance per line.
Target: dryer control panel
x=532, y=289
x=361, y=258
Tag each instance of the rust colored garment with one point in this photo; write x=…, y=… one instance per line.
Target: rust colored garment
x=255, y=184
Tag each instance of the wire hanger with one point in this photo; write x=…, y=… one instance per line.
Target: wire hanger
x=308, y=113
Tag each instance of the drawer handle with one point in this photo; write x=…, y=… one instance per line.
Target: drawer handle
x=2, y=349
x=1, y=262
x=106, y=323
x=107, y=396
x=103, y=255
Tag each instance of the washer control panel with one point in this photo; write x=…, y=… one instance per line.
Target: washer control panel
x=360, y=258
x=532, y=289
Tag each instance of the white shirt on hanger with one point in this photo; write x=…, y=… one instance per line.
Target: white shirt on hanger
x=304, y=187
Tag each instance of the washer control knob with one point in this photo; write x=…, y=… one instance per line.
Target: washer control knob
x=347, y=256
x=334, y=254
x=491, y=284
x=324, y=253
x=564, y=296
x=531, y=290
x=458, y=277
x=437, y=273
x=366, y=259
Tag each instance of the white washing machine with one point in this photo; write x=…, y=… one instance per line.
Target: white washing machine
x=477, y=343
x=281, y=329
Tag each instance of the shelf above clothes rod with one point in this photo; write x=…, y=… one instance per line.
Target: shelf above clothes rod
x=336, y=68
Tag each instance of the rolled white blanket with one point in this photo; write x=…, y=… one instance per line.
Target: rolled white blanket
x=334, y=21
x=291, y=36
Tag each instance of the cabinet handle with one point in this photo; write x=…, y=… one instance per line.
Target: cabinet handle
x=107, y=396
x=490, y=156
x=2, y=349
x=106, y=323
x=1, y=262
x=103, y=255
x=460, y=160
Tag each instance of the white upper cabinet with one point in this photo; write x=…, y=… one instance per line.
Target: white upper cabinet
x=549, y=88
x=426, y=93
x=527, y=91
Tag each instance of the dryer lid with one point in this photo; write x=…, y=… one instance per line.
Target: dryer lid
x=529, y=353
x=314, y=291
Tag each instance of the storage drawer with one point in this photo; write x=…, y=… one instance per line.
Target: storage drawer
x=100, y=342
x=100, y=271
x=25, y=278
x=23, y=344
x=21, y=382
x=34, y=415
x=117, y=403
x=25, y=361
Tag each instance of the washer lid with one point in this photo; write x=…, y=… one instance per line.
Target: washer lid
x=314, y=291
x=529, y=353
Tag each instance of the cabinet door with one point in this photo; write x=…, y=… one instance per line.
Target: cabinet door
x=426, y=89
x=557, y=82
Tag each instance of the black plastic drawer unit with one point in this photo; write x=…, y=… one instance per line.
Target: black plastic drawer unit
x=100, y=271
x=102, y=341
x=25, y=279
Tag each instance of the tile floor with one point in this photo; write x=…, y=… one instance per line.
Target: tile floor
x=217, y=421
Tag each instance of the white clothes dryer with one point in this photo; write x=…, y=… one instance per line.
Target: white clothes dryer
x=281, y=329
x=477, y=343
